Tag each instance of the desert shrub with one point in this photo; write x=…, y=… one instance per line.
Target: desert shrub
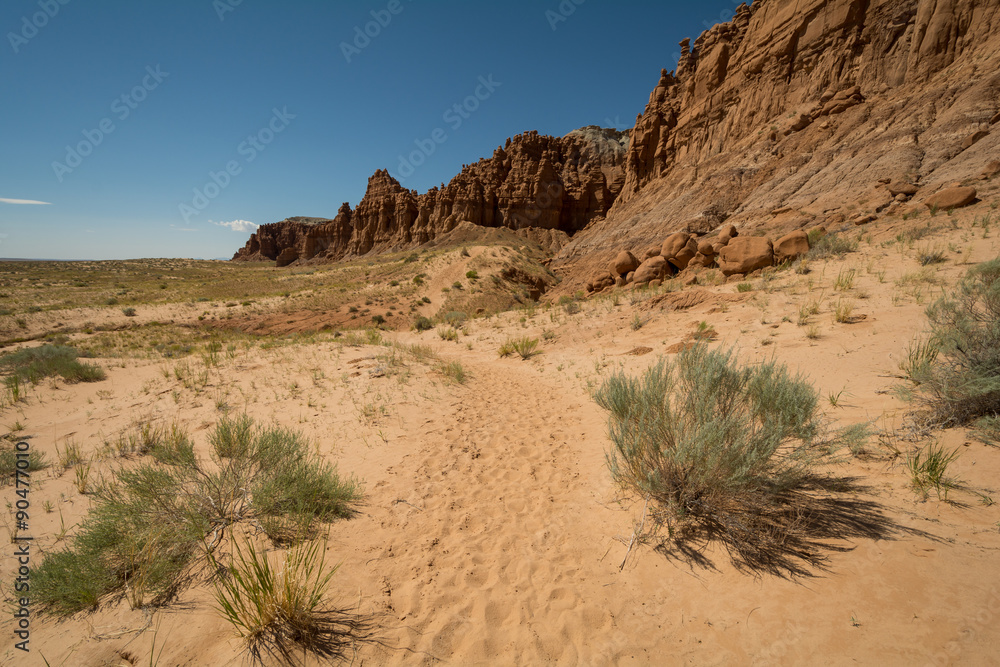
x=830, y=245
x=722, y=450
x=959, y=369
x=148, y=521
x=279, y=611
x=36, y=363
x=129, y=311
x=8, y=464
x=423, y=324
x=448, y=333
x=454, y=318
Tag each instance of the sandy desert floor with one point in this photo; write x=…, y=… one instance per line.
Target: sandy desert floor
x=491, y=532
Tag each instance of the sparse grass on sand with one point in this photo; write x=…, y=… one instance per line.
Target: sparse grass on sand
x=36, y=363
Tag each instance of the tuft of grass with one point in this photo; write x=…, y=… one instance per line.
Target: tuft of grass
x=639, y=321
x=454, y=371
x=961, y=382
x=279, y=611
x=448, y=333
x=842, y=311
x=931, y=256
x=36, y=363
x=845, y=280
x=526, y=347
x=724, y=451
x=929, y=470
x=830, y=245
x=744, y=287
x=919, y=360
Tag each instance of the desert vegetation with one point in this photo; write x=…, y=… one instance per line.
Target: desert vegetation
x=732, y=452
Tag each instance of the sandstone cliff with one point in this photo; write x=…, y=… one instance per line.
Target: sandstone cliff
x=796, y=112
x=533, y=182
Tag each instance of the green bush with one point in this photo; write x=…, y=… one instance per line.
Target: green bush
x=423, y=324
x=958, y=370
x=727, y=451
x=36, y=363
x=150, y=520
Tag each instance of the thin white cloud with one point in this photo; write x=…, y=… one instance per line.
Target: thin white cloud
x=25, y=201
x=239, y=225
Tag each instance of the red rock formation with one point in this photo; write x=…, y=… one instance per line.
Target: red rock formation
x=534, y=182
x=804, y=107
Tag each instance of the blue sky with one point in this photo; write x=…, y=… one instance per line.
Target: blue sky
x=145, y=124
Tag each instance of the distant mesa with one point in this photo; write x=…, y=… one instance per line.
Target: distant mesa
x=533, y=181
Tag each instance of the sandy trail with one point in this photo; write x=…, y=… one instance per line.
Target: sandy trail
x=482, y=554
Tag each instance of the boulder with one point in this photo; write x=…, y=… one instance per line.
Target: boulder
x=705, y=247
x=700, y=260
x=718, y=246
x=600, y=281
x=902, y=188
x=630, y=277
x=624, y=262
x=745, y=254
x=951, y=198
x=651, y=269
x=674, y=244
x=791, y=246
x=652, y=251
x=685, y=255
x=863, y=218
x=991, y=170
x=726, y=233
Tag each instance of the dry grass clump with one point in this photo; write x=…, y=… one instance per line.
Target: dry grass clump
x=280, y=611
x=731, y=453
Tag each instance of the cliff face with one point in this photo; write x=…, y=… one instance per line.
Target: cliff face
x=791, y=114
x=804, y=107
x=534, y=181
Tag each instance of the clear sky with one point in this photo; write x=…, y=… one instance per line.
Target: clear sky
x=141, y=126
